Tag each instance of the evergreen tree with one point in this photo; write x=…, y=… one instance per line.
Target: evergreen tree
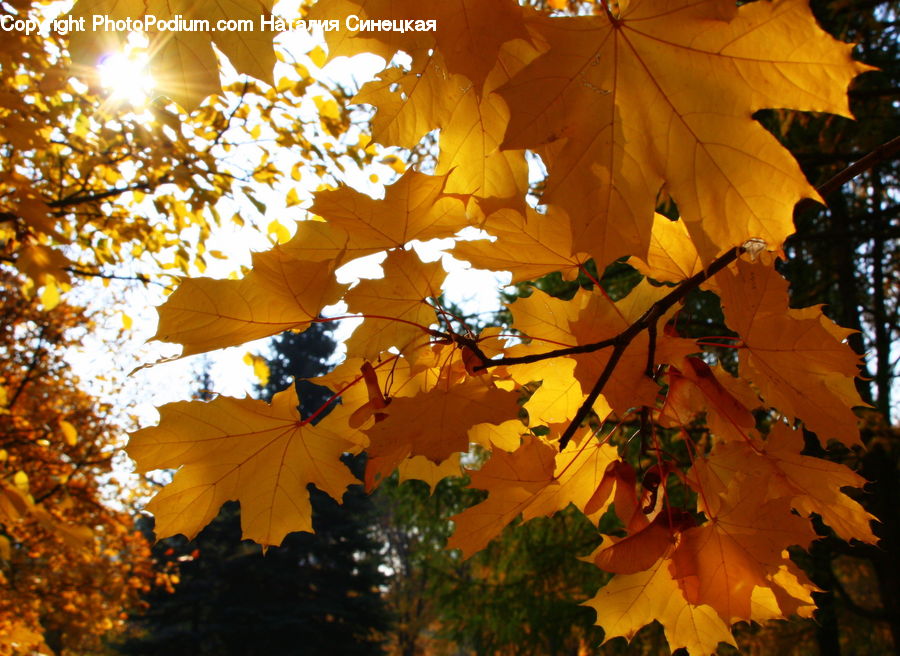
x=315, y=594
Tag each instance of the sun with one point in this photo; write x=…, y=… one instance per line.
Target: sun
x=125, y=77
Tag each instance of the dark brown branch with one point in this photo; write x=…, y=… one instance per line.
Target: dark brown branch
x=588, y=404
x=111, y=276
x=884, y=152
x=35, y=360
x=649, y=318
x=556, y=353
x=80, y=199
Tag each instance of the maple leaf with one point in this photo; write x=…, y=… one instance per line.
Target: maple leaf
x=240, y=449
x=559, y=396
x=796, y=358
x=529, y=247
x=638, y=551
x=280, y=293
x=672, y=256
x=630, y=602
x=534, y=481
x=434, y=424
x=812, y=485
x=699, y=389
x=414, y=207
x=411, y=103
x=515, y=479
x=421, y=468
x=725, y=561
x=472, y=32
x=612, y=90
x=319, y=241
x=395, y=307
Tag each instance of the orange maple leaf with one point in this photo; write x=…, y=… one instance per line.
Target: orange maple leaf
x=434, y=424
x=534, y=481
x=796, y=358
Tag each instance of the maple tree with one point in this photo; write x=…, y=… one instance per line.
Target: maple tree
x=592, y=401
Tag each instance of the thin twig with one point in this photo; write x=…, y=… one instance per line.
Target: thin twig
x=884, y=152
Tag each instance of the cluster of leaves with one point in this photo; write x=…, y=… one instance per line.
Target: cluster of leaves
x=592, y=402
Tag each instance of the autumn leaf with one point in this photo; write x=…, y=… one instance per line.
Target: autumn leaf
x=421, y=468
x=795, y=358
x=395, y=308
x=434, y=424
x=528, y=247
x=812, y=485
x=699, y=389
x=638, y=551
x=240, y=449
x=723, y=562
x=472, y=33
x=534, y=481
x=630, y=602
x=411, y=103
x=609, y=91
x=414, y=207
x=280, y=293
x=672, y=256
x=516, y=478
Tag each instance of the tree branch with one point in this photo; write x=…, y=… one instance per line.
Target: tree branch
x=884, y=152
x=648, y=319
x=111, y=276
x=76, y=199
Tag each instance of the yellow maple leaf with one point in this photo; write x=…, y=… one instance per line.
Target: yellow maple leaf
x=609, y=100
x=671, y=256
x=535, y=480
x=629, y=602
x=414, y=207
x=240, y=449
x=421, y=468
x=395, y=307
x=280, y=293
x=529, y=246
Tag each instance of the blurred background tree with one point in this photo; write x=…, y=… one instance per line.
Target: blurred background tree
x=70, y=564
